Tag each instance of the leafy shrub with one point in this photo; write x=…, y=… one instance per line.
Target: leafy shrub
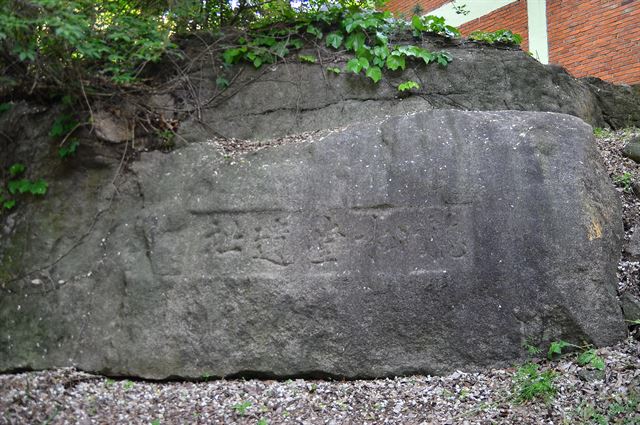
x=500, y=36
x=364, y=33
x=61, y=40
x=587, y=357
x=531, y=384
x=18, y=185
x=625, y=181
x=408, y=85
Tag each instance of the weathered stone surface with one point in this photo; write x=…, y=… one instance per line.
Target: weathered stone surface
x=632, y=149
x=630, y=306
x=421, y=243
x=111, y=127
x=632, y=247
x=620, y=104
x=292, y=98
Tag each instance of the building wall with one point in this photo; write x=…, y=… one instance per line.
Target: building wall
x=511, y=17
x=598, y=38
x=406, y=7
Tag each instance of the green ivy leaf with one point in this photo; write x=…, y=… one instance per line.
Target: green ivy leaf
x=598, y=363
x=315, y=31
x=280, y=49
x=354, y=65
x=590, y=357
x=264, y=41
x=232, y=56
x=417, y=24
x=307, y=58
x=395, y=61
x=18, y=186
x=16, y=169
x=9, y=204
x=39, y=187
x=69, y=149
x=408, y=85
x=374, y=73
x=334, y=40
x=296, y=43
x=334, y=69
x=355, y=41
x=556, y=347
x=443, y=58
x=222, y=82
x=382, y=38
x=381, y=51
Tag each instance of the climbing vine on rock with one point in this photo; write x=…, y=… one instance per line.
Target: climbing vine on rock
x=18, y=185
x=365, y=34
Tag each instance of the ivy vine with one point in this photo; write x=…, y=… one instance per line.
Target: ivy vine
x=364, y=33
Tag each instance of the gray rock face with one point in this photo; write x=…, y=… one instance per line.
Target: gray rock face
x=291, y=98
x=418, y=244
x=632, y=149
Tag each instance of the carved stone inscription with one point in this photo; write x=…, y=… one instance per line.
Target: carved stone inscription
x=404, y=240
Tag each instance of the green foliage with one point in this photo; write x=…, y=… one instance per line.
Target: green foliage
x=17, y=185
x=460, y=9
x=587, y=357
x=4, y=107
x=619, y=411
x=364, y=33
x=532, y=350
x=241, y=408
x=590, y=358
x=63, y=39
x=500, y=36
x=375, y=73
x=334, y=69
x=62, y=128
x=222, y=82
x=334, y=40
x=625, y=181
x=355, y=65
x=307, y=58
x=263, y=421
x=556, y=347
x=69, y=149
x=599, y=132
x=155, y=422
x=408, y=85
x=433, y=24
x=16, y=169
x=21, y=186
x=531, y=384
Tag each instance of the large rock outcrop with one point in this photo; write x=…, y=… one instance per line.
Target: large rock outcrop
x=416, y=243
x=287, y=98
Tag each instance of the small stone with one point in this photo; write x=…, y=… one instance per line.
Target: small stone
x=633, y=246
x=588, y=375
x=36, y=281
x=111, y=128
x=630, y=306
x=632, y=149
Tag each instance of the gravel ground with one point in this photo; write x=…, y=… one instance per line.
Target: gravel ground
x=577, y=394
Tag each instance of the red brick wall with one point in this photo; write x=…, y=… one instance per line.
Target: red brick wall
x=510, y=17
x=598, y=38
x=406, y=6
